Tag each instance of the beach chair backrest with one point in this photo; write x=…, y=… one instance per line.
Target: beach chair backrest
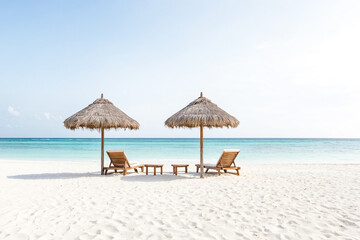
x=118, y=158
x=227, y=158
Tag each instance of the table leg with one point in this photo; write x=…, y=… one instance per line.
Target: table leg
x=154, y=171
x=147, y=170
x=185, y=169
x=161, y=170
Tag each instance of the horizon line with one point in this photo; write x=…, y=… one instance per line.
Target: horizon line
x=355, y=138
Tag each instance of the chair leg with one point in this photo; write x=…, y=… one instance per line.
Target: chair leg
x=225, y=171
x=142, y=168
x=237, y=171
x=207, y=170
x=197, y=169
x=125, y=171
x=219, y=172
x=135, y=169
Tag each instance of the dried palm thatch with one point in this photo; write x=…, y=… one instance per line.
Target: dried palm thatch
x=201, y=113
x=101, y=114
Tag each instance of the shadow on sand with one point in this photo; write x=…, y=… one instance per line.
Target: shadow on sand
x=63, y=175
x=167, y=176
x=158, y=178
x=130, y=177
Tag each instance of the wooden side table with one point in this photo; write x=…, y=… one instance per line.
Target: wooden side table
x=176, y=166
x=154, y=166
x=197, y=167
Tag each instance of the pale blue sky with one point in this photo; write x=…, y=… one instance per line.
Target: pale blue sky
x=283, y=68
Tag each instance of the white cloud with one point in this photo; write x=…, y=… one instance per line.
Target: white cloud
x=47, y=115
x=13, y=112
x=37, y=117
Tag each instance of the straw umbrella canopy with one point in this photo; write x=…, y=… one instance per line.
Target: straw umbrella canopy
x=201, y=113
x=101, y=115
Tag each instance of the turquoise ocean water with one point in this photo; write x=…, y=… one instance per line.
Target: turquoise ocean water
x=152, y=149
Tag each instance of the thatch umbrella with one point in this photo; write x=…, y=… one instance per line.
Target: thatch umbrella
x=101, y=114
x=201, y=113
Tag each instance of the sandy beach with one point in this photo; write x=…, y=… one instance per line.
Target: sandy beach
x=270, y=86
x=70, y=200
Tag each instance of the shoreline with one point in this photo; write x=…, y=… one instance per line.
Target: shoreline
x=195, y=138
x=185, y=161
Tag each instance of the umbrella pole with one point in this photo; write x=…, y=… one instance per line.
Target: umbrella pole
x=201, y=153
x=102, y=151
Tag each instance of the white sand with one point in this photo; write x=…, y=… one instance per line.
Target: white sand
x=59, y=200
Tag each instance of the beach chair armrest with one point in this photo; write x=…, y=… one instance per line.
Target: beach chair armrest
x=231, y=168
x=113, y=168
x=212, y=167
x=138, y=165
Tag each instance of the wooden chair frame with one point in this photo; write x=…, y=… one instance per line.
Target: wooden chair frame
x=120, y=163
x=219, y=165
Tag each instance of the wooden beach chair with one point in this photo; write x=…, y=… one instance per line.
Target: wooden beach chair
x=119, y=161
x=225, y=163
